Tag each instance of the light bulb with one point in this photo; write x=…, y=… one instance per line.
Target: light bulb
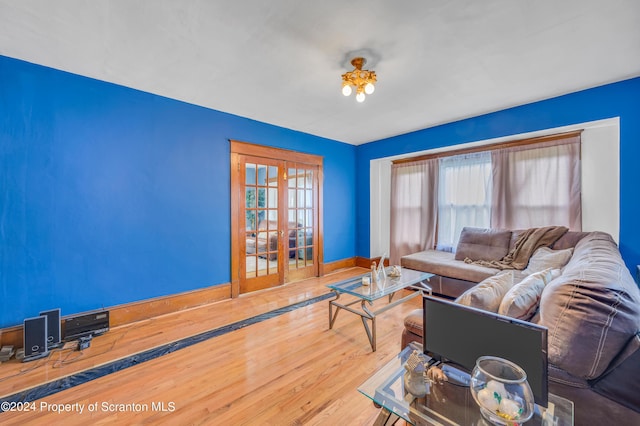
x=346, y=90
x=360, y=97
x=369, y=88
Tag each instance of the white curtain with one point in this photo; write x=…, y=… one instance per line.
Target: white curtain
x=537, y=185
x=464, y=196
x=414, y=207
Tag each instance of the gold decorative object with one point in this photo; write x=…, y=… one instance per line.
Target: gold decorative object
x=362, y=80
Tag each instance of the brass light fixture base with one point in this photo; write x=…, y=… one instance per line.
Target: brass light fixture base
x=362, y=80
x=358, y=63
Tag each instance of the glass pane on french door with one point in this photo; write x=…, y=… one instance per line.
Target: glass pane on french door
x=300, y=202
x=261, y=220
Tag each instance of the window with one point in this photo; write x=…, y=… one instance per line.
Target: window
x=537, y=187
x=515, y=185
x=464, y=196
x=413, y=210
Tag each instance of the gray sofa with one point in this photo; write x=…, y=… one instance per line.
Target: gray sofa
x=592, y=312
x=265, y=241
x=453, y=276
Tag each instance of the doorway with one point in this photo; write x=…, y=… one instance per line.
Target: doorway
x=275, y=216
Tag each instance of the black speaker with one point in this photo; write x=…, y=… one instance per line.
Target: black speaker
x=35, y=338
x=53, y=328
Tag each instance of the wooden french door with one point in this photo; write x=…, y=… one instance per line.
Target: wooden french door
x=275, y=216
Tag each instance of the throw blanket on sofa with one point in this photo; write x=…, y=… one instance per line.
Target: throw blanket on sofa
x=528, y=242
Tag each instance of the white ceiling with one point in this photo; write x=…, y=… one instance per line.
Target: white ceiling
x=280, y=61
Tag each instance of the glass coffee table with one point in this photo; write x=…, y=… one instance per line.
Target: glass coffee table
x=367, y=294
x=444, y=404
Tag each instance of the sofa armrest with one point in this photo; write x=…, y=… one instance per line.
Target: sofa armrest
x=273, y=241
x=444, y=264
x=620, y=382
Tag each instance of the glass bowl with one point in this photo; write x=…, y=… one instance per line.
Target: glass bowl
x=501, y=390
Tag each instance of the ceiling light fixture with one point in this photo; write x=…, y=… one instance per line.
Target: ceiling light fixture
x=362, y=80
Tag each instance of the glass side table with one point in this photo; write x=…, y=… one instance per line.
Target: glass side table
x=445, y=404
x=367, y=294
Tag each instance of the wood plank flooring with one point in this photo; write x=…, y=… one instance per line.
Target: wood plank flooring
x=286, y=370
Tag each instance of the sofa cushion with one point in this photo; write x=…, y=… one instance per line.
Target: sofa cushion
x=569, y=240
x=444, y=264
x=488, y=294
x=592, y=310
x=522, y=300
x=545, y=258
x=483, y=244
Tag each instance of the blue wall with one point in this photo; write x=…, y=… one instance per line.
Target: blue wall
x=614, y=100
x=110, y=195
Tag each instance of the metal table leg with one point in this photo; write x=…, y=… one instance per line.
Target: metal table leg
x=332, y=316
x=370, y=333
x=386, y=418
x=366, y=313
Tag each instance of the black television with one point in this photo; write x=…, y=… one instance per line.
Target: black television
x=459, y=334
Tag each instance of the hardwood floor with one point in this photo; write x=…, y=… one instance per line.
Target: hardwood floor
x=286, y=370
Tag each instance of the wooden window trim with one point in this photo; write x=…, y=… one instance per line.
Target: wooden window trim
x=490, y=147
x=254, y=150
